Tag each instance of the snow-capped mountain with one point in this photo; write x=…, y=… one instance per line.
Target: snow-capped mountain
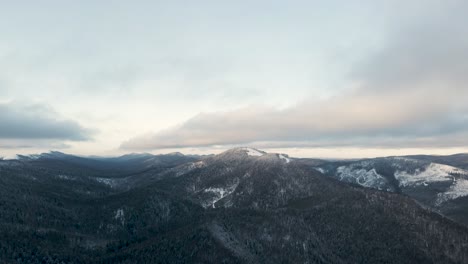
x=233, y=177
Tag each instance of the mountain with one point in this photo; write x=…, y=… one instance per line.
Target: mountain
x=240, y=206
x=457, y=160
x=442, y=187
x=117, y=166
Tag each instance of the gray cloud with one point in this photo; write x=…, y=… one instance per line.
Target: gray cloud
x=412, y=93
x=431, y=49
x=37, y=122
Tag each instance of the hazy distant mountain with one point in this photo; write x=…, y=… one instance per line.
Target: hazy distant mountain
x=111, y=165
x=241, y=206
x=457, y=160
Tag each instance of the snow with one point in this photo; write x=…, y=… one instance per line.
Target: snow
x=320, y=170
x=220, y=193
x=459, y=189
x=106, y=181
x=409, y=173
x=281, y=156
x=65, y=177
x=253, y=152
x=197, y=165
x=434, y=172
x=363, y=177
x=120, y=216
x=34, y=156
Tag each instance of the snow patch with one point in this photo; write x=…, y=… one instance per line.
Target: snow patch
x=106, y=181
x=320, y=170
x=65, y=177
x=219, y=193
x=434, y=172
x=253, y=152
x=120, y=216
x=363, y=177
x=197, y=165
x=459, y=189
x=281, y=156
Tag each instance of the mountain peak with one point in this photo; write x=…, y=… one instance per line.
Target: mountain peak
x=253, y=153
x=244, y=151
x=134, y=156
x=51, y=154
x=178, y=154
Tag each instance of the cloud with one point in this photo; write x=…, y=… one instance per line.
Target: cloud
x=412, y=93
x=428, y=48
x=14, y=144
x=342, y=121
x=37, y=122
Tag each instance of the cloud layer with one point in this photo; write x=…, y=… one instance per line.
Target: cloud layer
x=396, y=120
x=412, y=93
x=37, y=122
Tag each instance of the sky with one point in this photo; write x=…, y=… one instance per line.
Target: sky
x=337, y=79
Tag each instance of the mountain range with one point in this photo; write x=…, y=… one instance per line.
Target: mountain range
x=241, y=206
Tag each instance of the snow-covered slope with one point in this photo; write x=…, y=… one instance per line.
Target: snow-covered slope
x=253, y=152
x=457, y=190
x=435, y=183
x=219, y=193
x=364, y=177
x=437, y=175
x=432, y=173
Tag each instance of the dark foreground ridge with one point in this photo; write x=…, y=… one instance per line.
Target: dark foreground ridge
x=241, y=206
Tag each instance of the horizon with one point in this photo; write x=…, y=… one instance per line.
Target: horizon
x=18, y=156
x=313, y=79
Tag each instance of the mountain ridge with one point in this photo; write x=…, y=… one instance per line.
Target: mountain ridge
x=240, y=206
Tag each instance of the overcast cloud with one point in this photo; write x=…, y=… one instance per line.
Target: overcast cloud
x=411, y=93
x=206, y=75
